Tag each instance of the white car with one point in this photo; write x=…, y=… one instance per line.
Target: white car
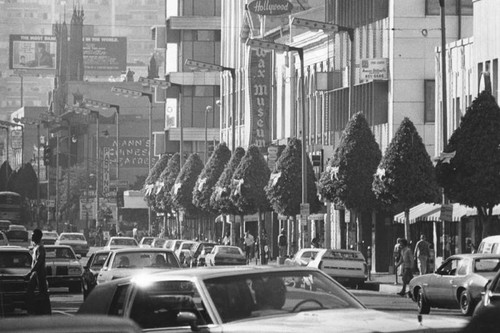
x=146, y=242
x=126, y=262
x=184, y=251
x=346, y=266
x=120, y=243
x=74, y=239
x=302, y=257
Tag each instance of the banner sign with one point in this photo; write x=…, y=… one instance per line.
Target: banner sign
x=134, y=151
x=38, y=52
x=32, y=52
x=270, y=7
x=260, y=71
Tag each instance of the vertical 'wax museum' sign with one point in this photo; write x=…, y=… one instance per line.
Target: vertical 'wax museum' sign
x=260, y=96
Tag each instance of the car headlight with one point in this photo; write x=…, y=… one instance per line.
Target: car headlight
x=74, y=271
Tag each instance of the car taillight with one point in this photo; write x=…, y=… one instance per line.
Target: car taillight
x=320, y=266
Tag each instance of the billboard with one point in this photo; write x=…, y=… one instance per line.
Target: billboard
x=105, y=53
x=36, y=52
x=32, y=52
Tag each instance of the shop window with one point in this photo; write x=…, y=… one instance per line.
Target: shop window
x=452, y=7
x=430, y=99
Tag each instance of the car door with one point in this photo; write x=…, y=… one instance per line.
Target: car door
x=439, y=284
x=457, y=280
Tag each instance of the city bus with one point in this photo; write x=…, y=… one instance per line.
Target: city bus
x=11, y=207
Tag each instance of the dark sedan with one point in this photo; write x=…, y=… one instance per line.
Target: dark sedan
x=91, y=269
x=225, y=255
x=63, y=268
x=457, y=283
x=15, y=263
x=490, y=297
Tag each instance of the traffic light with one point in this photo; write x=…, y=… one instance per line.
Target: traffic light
x=47, y=155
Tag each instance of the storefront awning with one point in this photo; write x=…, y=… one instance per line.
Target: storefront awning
x=431, y=212
x=473, y=211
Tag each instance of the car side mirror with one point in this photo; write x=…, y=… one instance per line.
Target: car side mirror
x=78, y=256
x=188, y=318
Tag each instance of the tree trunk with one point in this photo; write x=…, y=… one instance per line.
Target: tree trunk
x=407, y=225
x=260, y=237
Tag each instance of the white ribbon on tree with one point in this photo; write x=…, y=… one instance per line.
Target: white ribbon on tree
x=159, y=186
x=149, y=189
x=177, y=186
x=238, y=183
x=274, y=178
x=201, y=183
x=333, y=171
x=380, y=173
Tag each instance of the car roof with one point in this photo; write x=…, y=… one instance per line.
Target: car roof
x=474, y=255
x=57, y=247
x=9, y=248
x=122, y=237
x=141, y=249
x=215, y=272
x=71, y=233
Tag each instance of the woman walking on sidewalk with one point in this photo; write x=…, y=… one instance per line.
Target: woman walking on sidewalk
x=406, y=261
x=396, y=256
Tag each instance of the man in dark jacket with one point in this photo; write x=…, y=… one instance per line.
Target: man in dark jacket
x=37, y=277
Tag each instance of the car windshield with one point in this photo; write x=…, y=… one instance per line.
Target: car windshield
x=487, y=265
x=229, y=250
x=332, y=254
x=145, y=259
x=75, y=237
x=159, y=242
x=123, y=241
x=147, y=241
x=276, y=293
x=14, y=260
x=17, y=235
x=51, y=234
x=186, y=246
x=59, y=253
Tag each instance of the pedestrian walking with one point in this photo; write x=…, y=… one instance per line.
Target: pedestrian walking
x=227, y=239
x=422, y=254
x=249, y=242
x=396, y=256
x=406, y=262
x=282, y=243
x=37, y=277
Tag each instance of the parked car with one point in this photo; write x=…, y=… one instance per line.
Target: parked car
x=490, y=244
x=199, y=252
x=457, y=283
x=184, y=252
x=173, y=244
x=247, y=299
x=91, y=270
x=15, y=263
x=302, y=257
x=63, y=268
x=49, y=237
x=225, y=255
x=158, y=242
x=124, y=262
x=18, y=235
x=348, y=267
x=76, y=240
x=3, y=239
x=146, y=242
x=69, y=324
x=120, y=243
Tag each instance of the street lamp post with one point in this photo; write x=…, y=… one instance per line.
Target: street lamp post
x=105, y=106
x=135, y=94
x=207, y=110
x=232, y=71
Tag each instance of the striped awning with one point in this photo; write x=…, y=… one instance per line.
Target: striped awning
x=473, y=211
x=431, y=212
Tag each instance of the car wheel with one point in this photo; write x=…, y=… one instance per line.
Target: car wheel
x=423, y=305
x=75, y=288
x=466, y=303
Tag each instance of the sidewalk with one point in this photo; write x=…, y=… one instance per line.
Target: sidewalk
x=384, y=283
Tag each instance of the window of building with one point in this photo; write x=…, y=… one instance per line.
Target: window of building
x=430, y=99
x=452, y=7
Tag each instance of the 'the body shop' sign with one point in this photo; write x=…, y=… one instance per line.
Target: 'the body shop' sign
x=270, y=7
x=260, y=96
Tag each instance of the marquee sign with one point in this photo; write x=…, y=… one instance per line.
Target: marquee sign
x=270, y=7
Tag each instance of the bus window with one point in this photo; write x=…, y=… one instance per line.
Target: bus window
x=11, y=207
x=4, y=225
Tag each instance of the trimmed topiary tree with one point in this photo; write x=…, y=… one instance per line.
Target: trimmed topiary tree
x=211, y=173
x=470, y=173
x=247, y=188
x=405, y=177
x=152, y=178
x=5, y=172
x=182, y=191
x=166, y=181
x=348, y=177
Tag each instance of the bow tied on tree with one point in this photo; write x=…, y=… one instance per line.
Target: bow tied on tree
x=274, y=178
x=159, y=186
x=238, y=183
x=380, y=173
x=334, y=171
x=201, y=184
x=446, y=157
x=149, y=189
x=177, y=186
